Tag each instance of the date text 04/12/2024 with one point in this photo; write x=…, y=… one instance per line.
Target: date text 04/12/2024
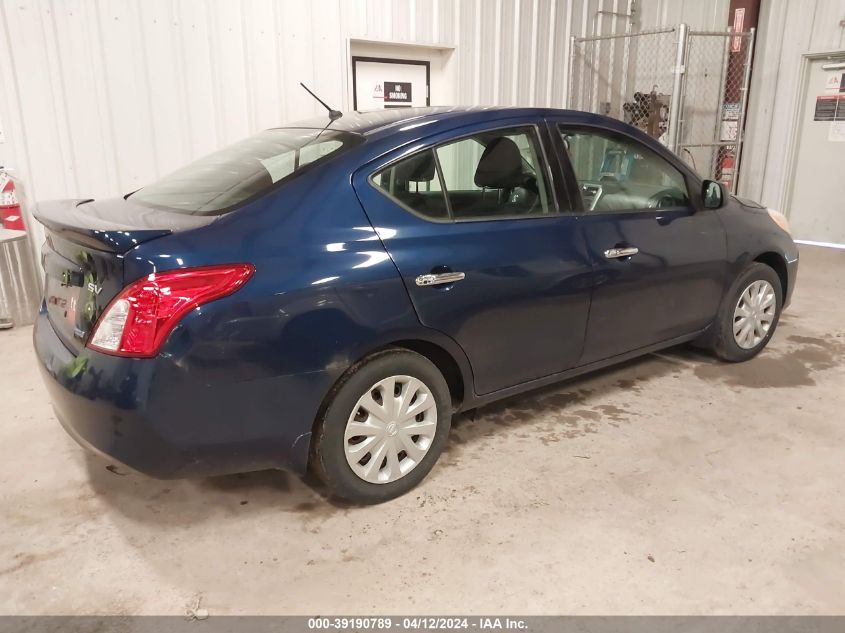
x=423, y=623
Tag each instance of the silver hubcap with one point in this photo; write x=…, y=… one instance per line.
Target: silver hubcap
x=754, y=314
x=390, y=429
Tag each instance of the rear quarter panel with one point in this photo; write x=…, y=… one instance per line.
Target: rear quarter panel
x=258, y=364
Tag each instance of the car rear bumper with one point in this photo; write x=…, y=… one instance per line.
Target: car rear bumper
x=149, y=415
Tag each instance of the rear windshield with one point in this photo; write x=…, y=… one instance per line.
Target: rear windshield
x=219, y=182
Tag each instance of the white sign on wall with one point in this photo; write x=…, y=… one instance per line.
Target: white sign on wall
x=383, y=83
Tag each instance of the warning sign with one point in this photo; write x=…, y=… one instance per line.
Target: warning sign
x=830, y=108
x=835, y=83
x=397, y=92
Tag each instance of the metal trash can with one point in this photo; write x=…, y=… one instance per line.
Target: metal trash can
x=19, y=291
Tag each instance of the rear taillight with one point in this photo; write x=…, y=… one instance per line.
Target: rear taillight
x=138, y=320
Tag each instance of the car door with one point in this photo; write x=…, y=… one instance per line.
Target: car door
x=485, y=251
x=659, y=259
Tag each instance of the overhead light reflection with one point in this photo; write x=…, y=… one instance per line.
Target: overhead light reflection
x=385, y=233
x=379, y=232
x=325, y=280
x=413, y=125
x=373, y=258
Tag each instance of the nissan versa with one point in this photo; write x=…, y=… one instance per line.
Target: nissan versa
x=327, y=295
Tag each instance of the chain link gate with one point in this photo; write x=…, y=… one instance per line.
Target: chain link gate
x=714, y=100
x=686, y=88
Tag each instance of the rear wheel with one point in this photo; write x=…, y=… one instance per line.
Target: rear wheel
x=384, y=427
x=749, y=314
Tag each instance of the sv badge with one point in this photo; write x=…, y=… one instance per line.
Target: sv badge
x=92, y=287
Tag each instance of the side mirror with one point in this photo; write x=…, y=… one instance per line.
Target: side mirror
x=714, y=194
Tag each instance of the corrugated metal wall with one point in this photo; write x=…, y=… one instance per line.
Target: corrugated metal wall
x=99, y=98
x=787, y=30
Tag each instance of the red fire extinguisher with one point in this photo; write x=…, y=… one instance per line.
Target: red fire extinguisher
x=10, y=207
x=726, y=169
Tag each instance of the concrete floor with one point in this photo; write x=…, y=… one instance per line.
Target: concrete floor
x=671, y=484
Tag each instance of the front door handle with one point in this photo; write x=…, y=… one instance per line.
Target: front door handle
x=615, y=253
x=437, y=279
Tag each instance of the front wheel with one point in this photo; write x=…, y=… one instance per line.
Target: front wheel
x=749, y=314
x=385, y=425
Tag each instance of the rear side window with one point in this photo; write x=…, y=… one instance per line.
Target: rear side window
x=495, y=174
x=415, y=183
x=219, y=182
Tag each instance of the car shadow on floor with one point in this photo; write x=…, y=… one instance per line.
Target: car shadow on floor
x=565, y=411
x=573, y=408
x=187, y=501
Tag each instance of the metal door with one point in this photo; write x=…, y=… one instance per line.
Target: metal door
x=818, y=189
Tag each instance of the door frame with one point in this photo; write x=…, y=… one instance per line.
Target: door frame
x=791, y=165
x=390, y=60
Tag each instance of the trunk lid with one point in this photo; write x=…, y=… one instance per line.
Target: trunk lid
x=84, y=253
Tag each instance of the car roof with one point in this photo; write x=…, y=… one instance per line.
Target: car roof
x=392, y=128
x=374, y=121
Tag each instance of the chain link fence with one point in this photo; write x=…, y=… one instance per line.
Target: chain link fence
x=714, y=103
x=628, y=77
x=686, y=88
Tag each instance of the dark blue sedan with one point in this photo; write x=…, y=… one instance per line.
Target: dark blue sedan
x=327, y=295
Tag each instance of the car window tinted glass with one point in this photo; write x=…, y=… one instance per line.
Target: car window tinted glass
x=490, y=175
x=220, y=181
x=615, y=173
x=414, y=183
x=494, y=174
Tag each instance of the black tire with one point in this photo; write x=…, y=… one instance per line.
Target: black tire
x=328, y=457
x=722, y=342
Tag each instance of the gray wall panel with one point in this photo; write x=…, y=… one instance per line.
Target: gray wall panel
x=99, y=98
x=787, y=31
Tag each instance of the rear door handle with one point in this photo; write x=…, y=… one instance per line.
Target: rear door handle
x=437, y=279
x=615, y=253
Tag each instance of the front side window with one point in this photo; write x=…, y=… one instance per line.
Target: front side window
x=615, y=173
x=228, y=177
x=495, y=174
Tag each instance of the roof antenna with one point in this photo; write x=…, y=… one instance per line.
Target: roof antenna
x=333, y=114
